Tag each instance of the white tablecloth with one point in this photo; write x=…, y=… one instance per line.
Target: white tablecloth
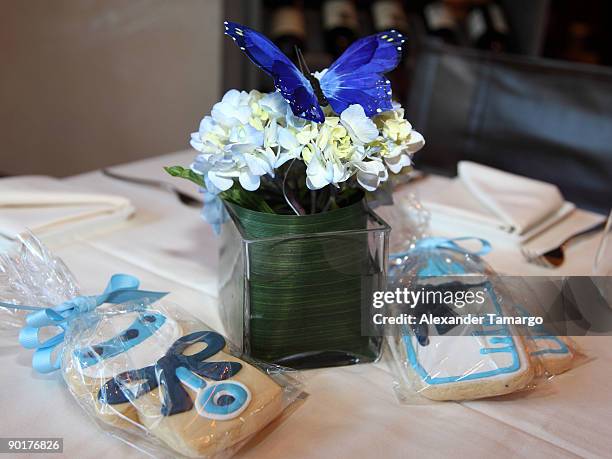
x=351, y=411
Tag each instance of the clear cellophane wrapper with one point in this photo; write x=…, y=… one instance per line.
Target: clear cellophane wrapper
x=180, y=390
x=31, y=275
x=147, y=371
x=438, y=363
x=469, y=361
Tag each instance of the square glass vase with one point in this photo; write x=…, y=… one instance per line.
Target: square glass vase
x=296, y=290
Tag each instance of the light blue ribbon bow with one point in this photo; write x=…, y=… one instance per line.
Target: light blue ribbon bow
x=437, y=265
x=447, y=243
x=121, y=288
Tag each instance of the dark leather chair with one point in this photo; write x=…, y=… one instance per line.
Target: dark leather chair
x=550, y=120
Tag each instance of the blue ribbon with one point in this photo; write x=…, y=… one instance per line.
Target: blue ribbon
x=447, y=243
x=437, y=265
x=121, y=288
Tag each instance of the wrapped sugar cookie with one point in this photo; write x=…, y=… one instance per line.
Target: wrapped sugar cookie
x=157, y=370
x=551, y=351
x=146, y=370
x=463, y=341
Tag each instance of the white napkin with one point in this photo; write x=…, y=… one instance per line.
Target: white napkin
x=484, y=197
x=50, y=208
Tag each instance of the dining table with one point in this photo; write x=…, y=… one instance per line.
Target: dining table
x=345, y=412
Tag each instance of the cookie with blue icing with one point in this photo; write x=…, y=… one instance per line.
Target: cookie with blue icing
x=467, y=367
x=197, y=398
x=114, y=344
x=485, y=361
x=143, y=369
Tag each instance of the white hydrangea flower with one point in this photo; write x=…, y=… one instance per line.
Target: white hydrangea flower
x=246, y=134
x=293, y=121
x=396, y=162
x=361, y=128
x=291, y=148
x=370, y=174
x=322, y=171
x=209, y=136
x=250, y=135
x=271, y=134
x=333, y=138
x=233, y=109
x=415, y=142
x=398, y=141
x=274, y=104
x=307, y=134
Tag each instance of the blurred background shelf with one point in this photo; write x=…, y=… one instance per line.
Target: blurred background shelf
x=522, y=85
x=571, y=30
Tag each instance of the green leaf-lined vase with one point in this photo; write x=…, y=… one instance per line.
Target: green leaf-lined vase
x=295, y=287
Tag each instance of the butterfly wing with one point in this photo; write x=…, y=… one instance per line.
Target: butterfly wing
x=288, y=80
x=357, y=77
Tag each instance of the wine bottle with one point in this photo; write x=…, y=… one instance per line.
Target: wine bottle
x=441, y=22
x=389, y=14
x=487, y=27
x=340, y=24
x=288, y=28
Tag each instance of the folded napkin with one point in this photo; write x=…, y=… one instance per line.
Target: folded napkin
x=50, y=208
x=509, y=204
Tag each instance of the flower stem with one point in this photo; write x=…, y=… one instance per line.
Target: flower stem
x=289, y=196
x=313, y=201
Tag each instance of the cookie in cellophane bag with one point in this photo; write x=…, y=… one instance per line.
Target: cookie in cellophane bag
x=460, y=353
x=153, y=368
x=147, y=371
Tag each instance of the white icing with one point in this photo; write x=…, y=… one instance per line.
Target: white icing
x=459, y=356
x=448, y=356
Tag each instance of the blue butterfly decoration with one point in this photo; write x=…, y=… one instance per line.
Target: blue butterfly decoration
x=357, y=77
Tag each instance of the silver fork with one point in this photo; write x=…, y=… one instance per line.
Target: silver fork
x=184, y=198
x=554, y=258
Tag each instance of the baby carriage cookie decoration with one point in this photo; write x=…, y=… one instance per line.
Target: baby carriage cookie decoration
x=221, y=400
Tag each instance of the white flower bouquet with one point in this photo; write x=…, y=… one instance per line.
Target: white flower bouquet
x=254, y=152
